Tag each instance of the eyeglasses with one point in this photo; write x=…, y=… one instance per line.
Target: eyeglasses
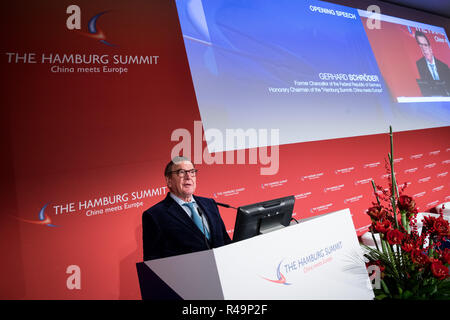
x=181, y=172
x=425, y=45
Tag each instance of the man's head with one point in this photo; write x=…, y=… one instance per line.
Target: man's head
x=181, y=177
x=424, y=45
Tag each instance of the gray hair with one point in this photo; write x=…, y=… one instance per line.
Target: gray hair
x=173, y=162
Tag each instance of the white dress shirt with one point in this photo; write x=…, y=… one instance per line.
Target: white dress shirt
x=188, y=212
x=433, y=69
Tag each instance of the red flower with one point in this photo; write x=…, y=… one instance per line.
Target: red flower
x=428, y=224
x=418, y=257
x=377, y=213
x=383, y=227
x=440, y=227
x=395, y=236
x=406, y=203
x=446, y=256
x=408, y=246
x=428, y=221
x=439, y=270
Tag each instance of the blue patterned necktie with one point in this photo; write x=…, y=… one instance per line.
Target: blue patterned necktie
x=196, y=218
x=434, y=72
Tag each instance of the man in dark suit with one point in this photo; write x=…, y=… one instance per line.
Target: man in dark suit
x=182, y=223
x=429, y=67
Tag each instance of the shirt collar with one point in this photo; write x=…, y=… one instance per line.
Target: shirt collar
x=432, y=63
x=178, y=200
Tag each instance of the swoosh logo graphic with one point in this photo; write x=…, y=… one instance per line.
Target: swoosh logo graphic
x=43, y=218
x=281, y=279
x=95, y=32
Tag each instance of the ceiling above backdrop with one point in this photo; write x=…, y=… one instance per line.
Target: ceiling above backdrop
x=433, y=12
x=438, y=7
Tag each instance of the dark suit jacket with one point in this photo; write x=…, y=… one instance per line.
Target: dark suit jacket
x=442, y=69
x=167, y=230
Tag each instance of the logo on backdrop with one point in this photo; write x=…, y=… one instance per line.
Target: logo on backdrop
x=83, y=63
x=106, y=205
x=73, y=22
x=43, y=218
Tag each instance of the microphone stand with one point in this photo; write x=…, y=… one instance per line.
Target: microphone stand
x=225, y=205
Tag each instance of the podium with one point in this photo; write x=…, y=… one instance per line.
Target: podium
x=319, y=258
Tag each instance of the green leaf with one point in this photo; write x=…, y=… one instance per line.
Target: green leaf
x=381, y=296
x=407, y=294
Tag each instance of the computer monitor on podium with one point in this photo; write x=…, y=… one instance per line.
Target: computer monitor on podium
x=433, y=88
x=263, y=217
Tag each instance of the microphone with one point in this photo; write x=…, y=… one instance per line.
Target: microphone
x=200, y=212
x=225, y=205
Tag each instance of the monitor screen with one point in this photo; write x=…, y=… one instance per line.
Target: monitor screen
x=263, y=217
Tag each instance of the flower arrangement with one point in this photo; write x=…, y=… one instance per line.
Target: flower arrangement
x=412, y=264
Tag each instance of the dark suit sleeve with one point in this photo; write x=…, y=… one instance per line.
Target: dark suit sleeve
x=226, y=237
x=152, y=237
x=422, y=67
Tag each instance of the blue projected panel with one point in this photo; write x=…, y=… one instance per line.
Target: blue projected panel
x=306, y=68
